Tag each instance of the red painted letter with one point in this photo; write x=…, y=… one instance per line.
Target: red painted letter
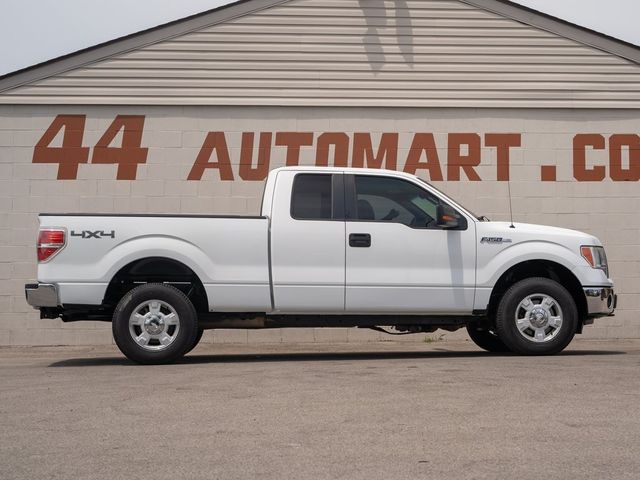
x=71, y=154
x=130, y=154
x=340, y=141
x=424, y=143
x=503, y=142
x=261, y=170
x=294, y=141
x=214, y=141
x=457, y=162
x=580, y=170
x=616, y=143
x=363, y=151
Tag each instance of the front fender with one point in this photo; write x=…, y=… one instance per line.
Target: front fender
x=490, y=271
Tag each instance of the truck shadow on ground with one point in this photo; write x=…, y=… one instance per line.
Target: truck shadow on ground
x=319, y=357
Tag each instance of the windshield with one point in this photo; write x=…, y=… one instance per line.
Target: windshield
x=482, y=218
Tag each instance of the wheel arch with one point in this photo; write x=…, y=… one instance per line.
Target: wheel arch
x=545, y=269
x=157, y=269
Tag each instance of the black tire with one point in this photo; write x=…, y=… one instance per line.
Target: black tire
x=552, y=339
x=196, y=341
x=486, y=339
x=168, y=303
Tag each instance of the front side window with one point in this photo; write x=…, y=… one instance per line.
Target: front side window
x=383, y=199
x=311, y=197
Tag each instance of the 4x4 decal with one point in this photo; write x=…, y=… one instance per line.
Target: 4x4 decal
x=97, y=234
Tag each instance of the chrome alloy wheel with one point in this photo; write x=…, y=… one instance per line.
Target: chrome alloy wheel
x=154, y=325
x=539, y=318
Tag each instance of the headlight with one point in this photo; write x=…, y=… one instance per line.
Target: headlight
x=596, y=257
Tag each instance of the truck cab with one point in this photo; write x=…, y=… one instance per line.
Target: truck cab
x=367, y=242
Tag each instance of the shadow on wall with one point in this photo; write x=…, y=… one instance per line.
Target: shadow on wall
x=400, y=15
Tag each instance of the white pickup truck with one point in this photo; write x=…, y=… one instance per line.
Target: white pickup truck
x=334, y=247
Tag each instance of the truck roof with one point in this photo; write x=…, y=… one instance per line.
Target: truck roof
x=371, y=171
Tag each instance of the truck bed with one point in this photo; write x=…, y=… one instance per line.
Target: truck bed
x=228, y=253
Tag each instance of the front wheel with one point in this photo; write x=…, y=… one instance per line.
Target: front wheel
x=154, y=324
x=537, y=316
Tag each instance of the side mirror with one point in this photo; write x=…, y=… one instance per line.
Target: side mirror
x=447, y=217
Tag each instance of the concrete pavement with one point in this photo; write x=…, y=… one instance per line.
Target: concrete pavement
x=358, y=411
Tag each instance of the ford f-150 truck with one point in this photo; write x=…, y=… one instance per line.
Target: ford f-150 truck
x=333, y=247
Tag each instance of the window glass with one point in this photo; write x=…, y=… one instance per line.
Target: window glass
x=311, y=197
x=439, y=191
x=384, y=199
x=376, y=207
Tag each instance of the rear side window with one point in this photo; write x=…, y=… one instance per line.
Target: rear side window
x=311, y=197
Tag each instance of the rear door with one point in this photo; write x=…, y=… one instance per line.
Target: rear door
x=398, y=259
x=307, y=242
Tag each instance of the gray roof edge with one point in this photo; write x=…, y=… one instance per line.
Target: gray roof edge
x=131, y=42
x=560, y=27
x=239, y=8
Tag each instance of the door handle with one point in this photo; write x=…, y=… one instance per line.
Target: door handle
x=360, y=240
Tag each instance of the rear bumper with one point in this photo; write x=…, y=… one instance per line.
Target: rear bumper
x=42, y=295
x=601, y=301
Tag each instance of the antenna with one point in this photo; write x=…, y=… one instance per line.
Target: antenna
x=510, y=203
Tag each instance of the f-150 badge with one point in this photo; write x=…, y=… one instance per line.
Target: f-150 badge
x=495, y=240
x=97, y=234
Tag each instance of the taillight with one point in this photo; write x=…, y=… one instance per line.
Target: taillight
x=50, y=242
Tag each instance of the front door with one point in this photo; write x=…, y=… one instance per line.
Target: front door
x=398, y=259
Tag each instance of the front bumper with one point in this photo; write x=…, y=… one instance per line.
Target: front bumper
x=41, y=295
x=601, y=301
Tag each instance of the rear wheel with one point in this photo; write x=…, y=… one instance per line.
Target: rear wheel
x=486, y=338
x=537, y=316
x=197, y=340
x=155, y=324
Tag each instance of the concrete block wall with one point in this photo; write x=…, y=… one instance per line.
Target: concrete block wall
x=175, y=135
